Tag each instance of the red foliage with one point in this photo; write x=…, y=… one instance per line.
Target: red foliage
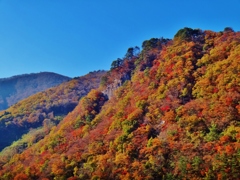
x=165, y=108
x=21, y=176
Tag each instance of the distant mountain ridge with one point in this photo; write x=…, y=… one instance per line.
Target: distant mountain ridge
x=16, y=88
x=45, y=109
x=170, y=111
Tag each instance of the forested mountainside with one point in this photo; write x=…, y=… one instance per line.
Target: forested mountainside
x=169, y=111
x=18, y=87
x=37, y=114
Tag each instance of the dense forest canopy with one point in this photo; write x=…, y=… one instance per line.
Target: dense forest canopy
x=169, y=111
x=40, y=112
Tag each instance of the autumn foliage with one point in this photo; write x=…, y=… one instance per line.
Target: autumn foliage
x=177, y=116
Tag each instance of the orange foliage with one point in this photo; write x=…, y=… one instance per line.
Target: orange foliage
x=176, y=115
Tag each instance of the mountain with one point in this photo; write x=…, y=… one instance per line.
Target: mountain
x=18, y=87
x=169, y=111
x=40, y=112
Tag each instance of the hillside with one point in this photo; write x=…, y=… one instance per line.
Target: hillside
x=43, y=110
x=169, y=111
x=19, y=87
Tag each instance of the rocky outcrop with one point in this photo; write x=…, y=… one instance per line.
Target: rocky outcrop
x=115, y=85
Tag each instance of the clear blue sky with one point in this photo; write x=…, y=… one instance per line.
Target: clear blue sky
x=73, y=37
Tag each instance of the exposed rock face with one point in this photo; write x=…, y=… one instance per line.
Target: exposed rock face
x=112, y=87
x=115, y=85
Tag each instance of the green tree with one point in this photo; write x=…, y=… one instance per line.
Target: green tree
x=132, y=51
x=228, y=29
x=187, y=33
x=116, y=63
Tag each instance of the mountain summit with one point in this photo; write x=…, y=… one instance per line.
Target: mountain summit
x=43, y=110
x=18, y=87
x=169, y=111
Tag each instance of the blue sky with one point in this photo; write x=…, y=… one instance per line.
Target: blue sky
x=78, y=36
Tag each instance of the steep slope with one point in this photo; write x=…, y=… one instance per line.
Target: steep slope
x=16, y=88
x=45, y=109
x=176, y=117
